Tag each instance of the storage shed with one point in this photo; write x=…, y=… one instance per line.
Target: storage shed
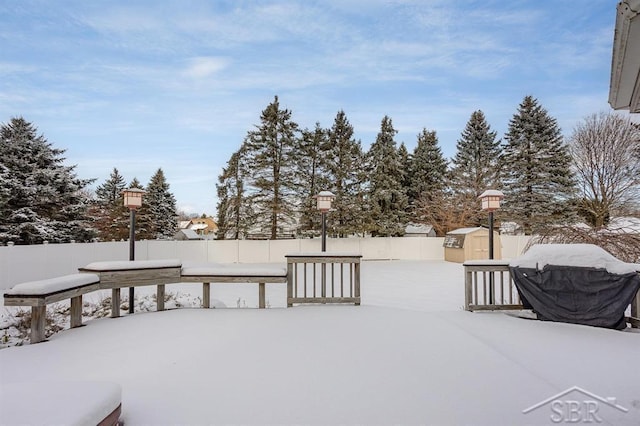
x=465, y=244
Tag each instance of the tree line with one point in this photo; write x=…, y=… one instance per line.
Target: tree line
x=268, y=184
x=41, y=199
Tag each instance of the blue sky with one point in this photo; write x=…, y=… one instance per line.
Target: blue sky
x=140, y=85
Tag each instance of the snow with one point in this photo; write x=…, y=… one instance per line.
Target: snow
x=53, y=285
x=120, y=265
x=408, y=355
x=234, y=269
x=578, y=255
x=68, y=403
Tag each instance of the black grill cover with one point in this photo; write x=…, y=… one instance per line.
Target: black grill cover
x=578, y=295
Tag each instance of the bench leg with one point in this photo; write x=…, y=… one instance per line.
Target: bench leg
x=38, y=314
x=76, y=311
x=115, y=303
x=261, y=296
x=160, y=297
x=206, y=295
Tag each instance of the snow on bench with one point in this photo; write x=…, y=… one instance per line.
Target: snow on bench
x=38, y=294
x=61, y=403
x=260, y=273
x=117, y=274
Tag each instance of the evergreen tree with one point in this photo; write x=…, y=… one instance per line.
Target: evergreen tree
x=405, y=161
x=387, y=199
x=162, y=207
x=427, y=172
x=40, y=198
x=475, y=169
x=538, y=183
x=234, y=210
x=311, y=176
x=111, y=217
x=344, y=160
x=271, y=175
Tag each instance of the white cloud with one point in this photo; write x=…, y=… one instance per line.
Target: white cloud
x=203, y=67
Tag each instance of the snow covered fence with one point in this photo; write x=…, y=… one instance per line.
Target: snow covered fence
x=29, y=263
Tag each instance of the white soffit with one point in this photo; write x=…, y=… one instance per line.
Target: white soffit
x=624, y=89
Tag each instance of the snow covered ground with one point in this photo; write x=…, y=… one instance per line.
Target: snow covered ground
x=408, y=355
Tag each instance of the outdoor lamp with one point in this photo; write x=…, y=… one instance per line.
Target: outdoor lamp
x=324, y=200
x=490, y=202
x=491, y=199
x=132, y=200
x=133, y=197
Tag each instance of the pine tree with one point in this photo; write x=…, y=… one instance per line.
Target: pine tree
x=162, y=207
x=538, y=183
x=40, y=198
x=387, y=199
x=311, y=177
x=405, y=162
x=344, y=160
x=109, y=212
x=234, y=210
x=271, y=175
x=475, y=169
x=428, y=169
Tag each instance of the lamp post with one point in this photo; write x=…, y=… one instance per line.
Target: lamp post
x=490, y=202
x=132, y=200
x=324, y=200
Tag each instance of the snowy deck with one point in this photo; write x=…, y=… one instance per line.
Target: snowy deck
x=408, y=355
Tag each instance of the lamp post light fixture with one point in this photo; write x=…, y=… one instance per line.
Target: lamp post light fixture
x=132, y=200
x=324, y=200
x=490, y=202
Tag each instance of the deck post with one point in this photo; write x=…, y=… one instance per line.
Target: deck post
x=468, y=288
x=261, y=295
x=635, y=310
x=289, y=284
x=76, y=312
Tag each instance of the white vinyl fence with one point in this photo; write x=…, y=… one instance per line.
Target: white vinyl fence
x=26, y=263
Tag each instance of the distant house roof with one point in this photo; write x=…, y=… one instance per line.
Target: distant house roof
x=465, y=230
x=187, y=234
x=418, y=228
x=198, y=226
x=183, y=224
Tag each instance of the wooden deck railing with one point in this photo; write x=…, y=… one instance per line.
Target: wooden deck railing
x=323, y=278
x=488, y=286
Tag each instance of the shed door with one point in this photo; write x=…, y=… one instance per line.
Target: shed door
x=479, y=247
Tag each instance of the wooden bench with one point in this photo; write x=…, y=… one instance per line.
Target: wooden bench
x=38, y=294
x=233, y=273
x=115, y=275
